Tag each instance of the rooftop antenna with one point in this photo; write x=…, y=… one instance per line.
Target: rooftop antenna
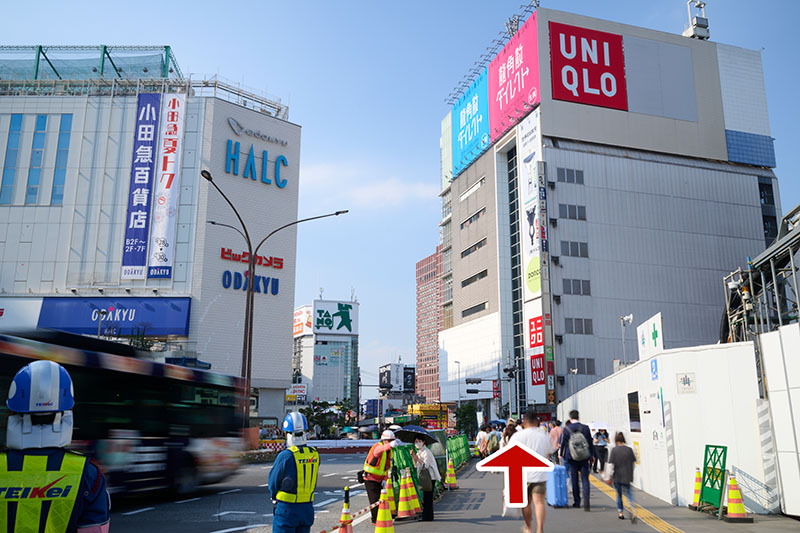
x=698, y=23
x=321, y=290
x=512, y=25
x=353, y=297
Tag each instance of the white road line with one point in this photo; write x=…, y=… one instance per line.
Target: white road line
x=243, y=528
x=326, y=502
x=229, y=491
x=356, y=485
x=187, y=501
x=329, y=475
x=353, y=471
x=223, y=513
x=268, y=515
x=358, y=492
x=264, y=485
x=137, y=511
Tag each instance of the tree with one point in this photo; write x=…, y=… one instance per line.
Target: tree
x=467, y=419
x=139, y=338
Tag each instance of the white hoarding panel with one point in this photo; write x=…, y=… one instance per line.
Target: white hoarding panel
x=167, y=186
x=19, y=313
x=649, y=337
x=302, y=324
x=335, y=318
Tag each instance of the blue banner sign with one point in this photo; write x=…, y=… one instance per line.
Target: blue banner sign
x=137, y=222
x=470, y=120
x=154, y=316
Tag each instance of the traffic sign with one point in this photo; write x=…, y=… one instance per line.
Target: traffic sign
x=515, y=461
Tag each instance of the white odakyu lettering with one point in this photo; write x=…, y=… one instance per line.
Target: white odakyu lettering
x=571, y=54
x=608, y=83
x=570, y=86
x=586, y=87
x=606, y=55
x=588, y=51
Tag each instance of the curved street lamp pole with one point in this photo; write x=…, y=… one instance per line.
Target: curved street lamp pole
x=247, y=342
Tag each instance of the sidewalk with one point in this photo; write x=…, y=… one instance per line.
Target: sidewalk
x=476, y=506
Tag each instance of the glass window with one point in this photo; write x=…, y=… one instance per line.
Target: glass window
x=561, y=173
x=587, y=326
x=576, y=286
x=10, y=161
x=572, y=211
x=473, y=310
x=581, y=362
x=567, y=286
x=447, y=236
x=578, y=326
x=584, y=250
x=574, y=249
x=564, y=247
x=562, y=210
x=570, y=175
x=37, y=153
x=570, y=362
x=62, y=156
x=581, y=212
x=568, y=326
x=447, y=316
x=579, y=177
x=446, y=204
x=586, y=288
x=633, y=412
x=590, y=366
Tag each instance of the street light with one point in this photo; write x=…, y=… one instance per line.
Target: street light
x=247, y=343
x=100, y=316
x=623, y=321
x=459, y=382
x=572, y=372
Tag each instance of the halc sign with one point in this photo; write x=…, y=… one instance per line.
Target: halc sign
x=587, y=66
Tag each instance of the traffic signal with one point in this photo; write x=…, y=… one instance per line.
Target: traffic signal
x=511, y=371
x=472, y=391
x=473, y=381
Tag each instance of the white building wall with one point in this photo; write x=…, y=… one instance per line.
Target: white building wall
x=476, y=345
x=744, y=98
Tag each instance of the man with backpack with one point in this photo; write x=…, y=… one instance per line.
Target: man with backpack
x=577, y=449
x=493, y=442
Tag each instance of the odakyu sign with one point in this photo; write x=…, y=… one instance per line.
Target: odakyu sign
x=238, y=281
x=587, y=66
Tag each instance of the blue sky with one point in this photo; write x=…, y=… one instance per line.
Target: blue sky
x=367, y=82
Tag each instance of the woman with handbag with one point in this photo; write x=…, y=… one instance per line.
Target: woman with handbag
x=427, y=474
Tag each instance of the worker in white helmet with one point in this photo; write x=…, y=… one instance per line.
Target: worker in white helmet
x=377, y=468
x=293, y=479
x=43, y=486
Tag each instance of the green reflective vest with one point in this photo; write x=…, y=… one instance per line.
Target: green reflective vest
x=306, y=459
x=34, y=485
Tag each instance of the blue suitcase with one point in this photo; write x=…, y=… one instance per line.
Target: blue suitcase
x=557, y=487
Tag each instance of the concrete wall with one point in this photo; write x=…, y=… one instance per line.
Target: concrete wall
x=722, y=408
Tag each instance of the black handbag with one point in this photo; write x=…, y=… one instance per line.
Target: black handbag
x=425, y=480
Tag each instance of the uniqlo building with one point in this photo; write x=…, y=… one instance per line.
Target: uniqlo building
x=592, y=170
x=106, y=223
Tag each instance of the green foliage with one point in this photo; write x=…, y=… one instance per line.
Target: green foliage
x=139, y=339
x=466, y=419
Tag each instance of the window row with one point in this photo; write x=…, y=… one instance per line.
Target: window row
x=474, y=248
x=573, y=212
x=473, y=218
x=584, y=365
x=574, y=249
x=578, y=326
x=569, y=175
x=581, y=287
x=472, y=279
x=473, y=188
x=473, y=310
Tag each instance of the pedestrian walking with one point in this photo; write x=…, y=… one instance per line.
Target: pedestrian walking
x=535, y=439
x=600, y=449
x=481, y=441
x=620, y=472
x=39, y=429
x=377, y=467
x=427, y=474
x=555, y=440
x=577, y=449
x=293, y=479
x=511, y=428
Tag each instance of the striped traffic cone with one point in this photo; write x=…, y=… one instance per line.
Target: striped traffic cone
x=736, y=511
x=413, y=491
x=405, y=505
x=390, y=495
x=384, y=522
x=698, y=480
x=451, y=475
x=346, y=521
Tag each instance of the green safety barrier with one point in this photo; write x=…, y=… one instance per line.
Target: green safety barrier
x=401, y=458
x=458, y=449
x=713, y=475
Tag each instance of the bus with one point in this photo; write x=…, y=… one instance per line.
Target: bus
x=149, y=426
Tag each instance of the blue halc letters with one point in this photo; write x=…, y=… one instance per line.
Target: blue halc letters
x=232, y=164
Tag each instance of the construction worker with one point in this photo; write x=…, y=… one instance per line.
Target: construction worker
x=44, y=487
x=377, y=468
x=293, y=479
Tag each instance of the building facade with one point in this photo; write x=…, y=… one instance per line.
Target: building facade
x=429, y=323
x=325, y=353
x=106, y=223
x=591, y=171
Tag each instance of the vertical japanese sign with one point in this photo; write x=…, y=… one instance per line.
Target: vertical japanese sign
x=470, y=126
x=534, y=230
x=167, y=186
x=514, y=79
x=137, y=221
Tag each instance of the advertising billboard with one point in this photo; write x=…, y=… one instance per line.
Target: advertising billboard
x=535, y=369
x=385, y=377
x=513, y=78
x=335, y=318
x=587, y=66
x=532, y=195
x=302, y=323
x=470, y=126
x=409, y=378
x=167, y=186
x=137, y=221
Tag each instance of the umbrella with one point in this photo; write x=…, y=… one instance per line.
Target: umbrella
x=410, y=433
x=367, y=429
x=598, y=425
x=348, y=429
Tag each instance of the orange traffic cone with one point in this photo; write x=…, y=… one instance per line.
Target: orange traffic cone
x=346, y=521
x=451, y=475
x=695, y=505
x=390, y=495
x=384, y=522
x=405, y=505
x=736, y=511
x=413, y=491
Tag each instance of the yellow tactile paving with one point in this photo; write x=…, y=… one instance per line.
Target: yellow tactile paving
x=641, y=513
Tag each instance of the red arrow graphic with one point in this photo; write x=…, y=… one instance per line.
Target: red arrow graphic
x=515, y=460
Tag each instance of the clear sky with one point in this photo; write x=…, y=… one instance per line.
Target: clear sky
x=367, y=81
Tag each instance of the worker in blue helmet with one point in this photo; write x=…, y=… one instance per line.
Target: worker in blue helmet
x=44, y=487
x=293, y=479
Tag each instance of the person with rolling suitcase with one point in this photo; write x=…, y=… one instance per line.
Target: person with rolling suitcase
x=557, y=487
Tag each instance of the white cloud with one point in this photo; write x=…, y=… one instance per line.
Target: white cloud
x=365, y=187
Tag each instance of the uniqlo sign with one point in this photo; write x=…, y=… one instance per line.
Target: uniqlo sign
x=536, y=332
x=537, y=369
x=587, y=66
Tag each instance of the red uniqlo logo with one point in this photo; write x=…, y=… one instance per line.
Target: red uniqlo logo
x=537, y=369
x=536, y=332
x=2, y=311
x=587, y=66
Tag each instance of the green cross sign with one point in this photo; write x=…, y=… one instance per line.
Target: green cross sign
x=655, y=336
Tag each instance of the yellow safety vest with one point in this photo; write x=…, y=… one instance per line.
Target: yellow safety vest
x=306, y=459
x=375, y=466
x=33, y=485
